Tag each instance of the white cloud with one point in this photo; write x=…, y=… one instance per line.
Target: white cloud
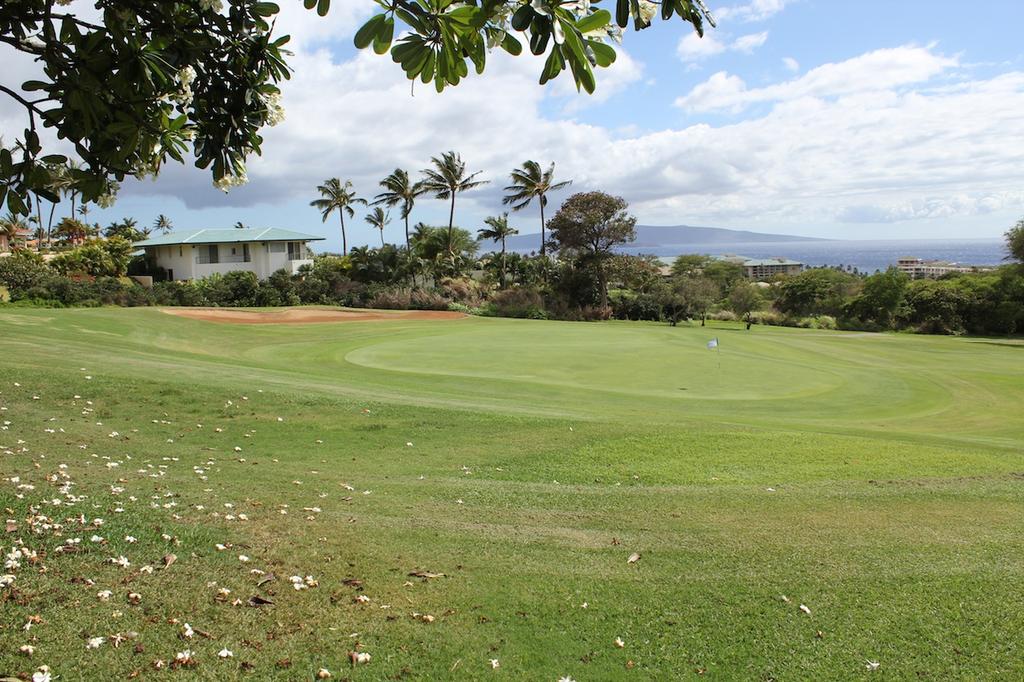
x=693, y=48
x=757, y=10
x=751, y=42
x=878, y=70
x=791, y=64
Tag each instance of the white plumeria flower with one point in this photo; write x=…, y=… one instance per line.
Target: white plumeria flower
x=95, y=642
x=225, y=653
x=494, y=664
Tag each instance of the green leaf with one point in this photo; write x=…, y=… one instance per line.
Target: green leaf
x=31, y=86
x=385, y=34
x=366, y=34
x=54, y=158
x=604, y=54
x=622, y=13
x=322, y=7
x=522, y=17
x=598, y=19
x=310, y=4
x=266, y=9
x=512, y=45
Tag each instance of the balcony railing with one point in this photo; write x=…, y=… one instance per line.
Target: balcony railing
x=238, y=258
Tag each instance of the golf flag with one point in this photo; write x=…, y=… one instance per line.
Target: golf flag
x=713, y=343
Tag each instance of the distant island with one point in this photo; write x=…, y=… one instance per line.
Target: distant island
x=662, y=236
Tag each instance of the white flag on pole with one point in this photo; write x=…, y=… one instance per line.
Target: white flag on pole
x=713, y=343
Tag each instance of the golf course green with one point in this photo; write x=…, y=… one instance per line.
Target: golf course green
x=506, y=499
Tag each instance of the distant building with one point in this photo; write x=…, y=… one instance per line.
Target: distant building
x=21, y=238
x=757, y=269
x=761, y=269
x=195, y=255
x=918, y=268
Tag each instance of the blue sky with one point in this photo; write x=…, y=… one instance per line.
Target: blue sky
x=859, y=120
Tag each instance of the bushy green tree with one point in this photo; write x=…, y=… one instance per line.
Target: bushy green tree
x=1015, y=241
x=96, y=258
x=936, y=306
x=820, y=291
x=882, y=298
x=690, y=264
x=588, y=226
x=744, y=300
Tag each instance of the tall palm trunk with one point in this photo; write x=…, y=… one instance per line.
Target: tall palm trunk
x=344, y=240
x=451, y=224
x=543, y=237
x=408, y=248
x=504, y=274
x=49, y=224
x=382, y=237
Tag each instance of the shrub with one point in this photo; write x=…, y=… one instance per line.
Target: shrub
x=397, y=298
x=22, y=270
x=519, y=302
x=464, y=290
x=422, y=299
x=724, y=316
x=769, y=317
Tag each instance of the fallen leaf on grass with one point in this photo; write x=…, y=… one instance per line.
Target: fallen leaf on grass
x=257, y=601
x=426, y=575
x=169, y=559
x=633, y=558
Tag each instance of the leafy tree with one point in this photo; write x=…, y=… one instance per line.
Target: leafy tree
x=498, y=230
x=163, y=223
x=529, y=183
x=937, y=306
x=820, y=291
x=379, y=219
x=139, y=86
x=98, y=258
x=72, y=231
x=441, y=38
x=446, y=180
x=448, y=253
x=726, y=274
x=11, y=226
x=689, y=264
x=882, y=298
x=745, y=299
x=126, y=229
x=1015, y=241
x=339, y=197
x=399, y=189
x=698, y=295
x=591, y=224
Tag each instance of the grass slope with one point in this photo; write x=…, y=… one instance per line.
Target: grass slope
x=878, y=480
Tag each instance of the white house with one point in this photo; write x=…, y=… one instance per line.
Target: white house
x=194, y=255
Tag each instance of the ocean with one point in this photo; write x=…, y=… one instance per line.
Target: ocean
x=865, y=255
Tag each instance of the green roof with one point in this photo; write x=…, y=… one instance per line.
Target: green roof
x=226, y=236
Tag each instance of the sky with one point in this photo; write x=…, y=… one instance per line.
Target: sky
x=825, y=118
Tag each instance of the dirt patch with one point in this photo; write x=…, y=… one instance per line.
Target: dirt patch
x=306, y=315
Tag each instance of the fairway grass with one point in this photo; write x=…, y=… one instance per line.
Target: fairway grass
x=878, y=480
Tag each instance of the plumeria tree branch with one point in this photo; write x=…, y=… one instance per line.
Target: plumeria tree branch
x=147, y=84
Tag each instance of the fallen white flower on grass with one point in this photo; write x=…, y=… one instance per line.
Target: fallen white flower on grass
x=95, y=642
x=359, y=657
x=27, y=649
x=42, y=674
x=566, y=679
x=805, y=609
x=633, y=558
x=243, y=558
x=494, y=664
x=362, y=599
x=187, y=631
x=619, y=643
x=104, y=595
x=323, y=674
x=225, y=653
x=872, y=665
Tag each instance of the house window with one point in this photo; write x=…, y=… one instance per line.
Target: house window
x=276, y=247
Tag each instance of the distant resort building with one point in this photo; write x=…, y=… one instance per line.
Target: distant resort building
x=22, y=238
x=756, y=269
x=195, y=255
x=762, y=269
x=918, y=268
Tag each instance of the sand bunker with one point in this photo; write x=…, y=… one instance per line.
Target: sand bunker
x=306, y=315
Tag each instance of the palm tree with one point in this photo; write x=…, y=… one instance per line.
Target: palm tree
x=10, y=226
x=340, y=198
x=163, y=223
x=528, y=183
x=498, y=229
x=398, y=189
x=83, y=211
x=379, y=219
x=448, y=178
